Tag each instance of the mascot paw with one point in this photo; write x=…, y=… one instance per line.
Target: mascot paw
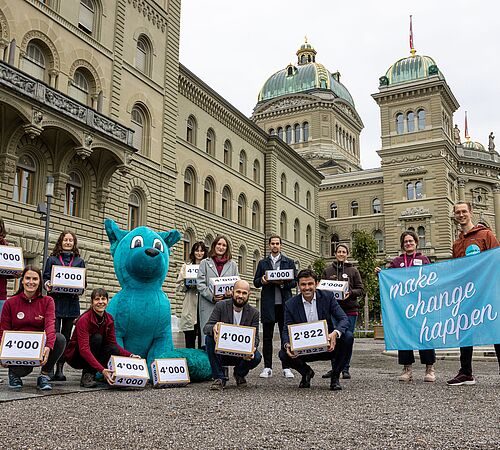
x=197, y=360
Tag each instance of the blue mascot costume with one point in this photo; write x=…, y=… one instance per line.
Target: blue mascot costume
x=141, y=310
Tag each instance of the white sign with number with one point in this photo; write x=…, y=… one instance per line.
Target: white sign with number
x=170, y=372
x=68, y=280
x=223, y=285
x=191, y=274
x=279, y=275
x=11, y=260
x=130, y=372
x=338, y=288
x=235, y=340
x=22, y=348
x=310, y=337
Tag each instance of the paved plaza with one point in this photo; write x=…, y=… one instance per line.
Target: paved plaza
x=374, y=411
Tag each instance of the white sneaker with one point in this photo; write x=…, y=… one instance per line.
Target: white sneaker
x=287, y=373
x=266, y=373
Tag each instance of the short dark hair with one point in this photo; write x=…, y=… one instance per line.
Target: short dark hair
x=211, y=253
x=342, y=245
x=274, y=236
x=31, y=268
x=99, y=292
x=196, y=246
x=307, y=273
x=469, y=205
x=407, y=233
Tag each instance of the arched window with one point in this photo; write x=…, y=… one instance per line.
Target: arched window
x=189, y=186
x=226, y=202
x=399, y=123
x=88, y=17
x=272, y=132
x=280, y=133
x=283, y=225
x=24, y=180
x=228, y=152
x=82, y=86
x=210, y=142
x=208, y=195
x=256, y=216
x=242, y=167
x=421, y=237
x=283, y=184
x=34, y=61
x=376, y=206
x=188, y=238
x=421, y=119
x=333, y=210
x=334, y=241
x=208, y=240
x=379, y=239
x=296, y=132
x=418, y=190
x=134, y=210
x=296, y=231
x=143, y=55
x=140, y=125
x=242, y=210
x=242, y=260
x=255, y=260
x=354, y=208
x=296, y=192
x=191, y=130
x=308, y=237
x=410, y=122
x=308, y=201
x=410, y=191
x=288, y=134
x=305, y=132
x=72, y=205
x=256, y=171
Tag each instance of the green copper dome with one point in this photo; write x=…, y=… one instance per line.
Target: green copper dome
x=414, y=67
x=471, y=145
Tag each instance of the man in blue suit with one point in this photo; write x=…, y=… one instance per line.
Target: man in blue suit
x=309, y=306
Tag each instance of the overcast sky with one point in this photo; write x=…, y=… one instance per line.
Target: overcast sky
x=235, y=45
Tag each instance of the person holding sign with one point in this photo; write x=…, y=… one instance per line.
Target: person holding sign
x=482, y=237
x=341, y=270
x=94, y=341
x=65, y=253
x=189, y=322
x=235, y=310
x=274, y=295
x=313, y=305
x=218, y=264
x=410, y=257
x=29, y=310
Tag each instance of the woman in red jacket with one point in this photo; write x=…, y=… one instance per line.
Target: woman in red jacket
x=29, y=310
x=94, y=341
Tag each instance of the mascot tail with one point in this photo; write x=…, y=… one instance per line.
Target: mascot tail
x=197, y=360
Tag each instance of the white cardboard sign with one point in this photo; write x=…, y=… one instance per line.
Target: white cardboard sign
x=235, y=340
x=170, y=372
x=130, y=372
x=11, y=260
x=223, y=285
x=22, y=348
x=280, y=275
x=68, y=280
x=338, y=288
x=192, y=274
x=309, y=337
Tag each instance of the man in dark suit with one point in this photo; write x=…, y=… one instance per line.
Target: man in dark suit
x=273, y=297
x=309, y=306
x=235, y=310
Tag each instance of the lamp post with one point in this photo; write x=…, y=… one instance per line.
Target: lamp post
x=49, y=194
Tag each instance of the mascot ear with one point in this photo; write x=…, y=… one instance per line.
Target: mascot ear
x=170, y=237
x=115, y=235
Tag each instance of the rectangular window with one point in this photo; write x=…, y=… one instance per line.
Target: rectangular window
x=86, y=18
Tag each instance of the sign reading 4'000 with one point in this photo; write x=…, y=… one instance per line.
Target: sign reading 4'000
x=11, y=260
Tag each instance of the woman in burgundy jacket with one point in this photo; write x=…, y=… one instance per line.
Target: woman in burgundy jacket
x=94, y=341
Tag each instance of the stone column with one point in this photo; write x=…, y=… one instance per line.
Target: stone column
x=496, y=203
x=461, y=189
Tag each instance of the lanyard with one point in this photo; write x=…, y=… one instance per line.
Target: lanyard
x=70, y=263
x=410, y=262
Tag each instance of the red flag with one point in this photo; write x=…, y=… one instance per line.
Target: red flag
x=466, y=127
x=411, y=34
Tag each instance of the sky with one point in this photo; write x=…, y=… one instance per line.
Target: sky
x=236, y=45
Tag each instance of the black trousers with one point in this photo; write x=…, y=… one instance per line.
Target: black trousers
x=268, y=335
x=64, y=325
x=54, y=355
x=406, y=357
x=337, y=357
x=101, y=352
x=466, y=358
x=191, y=336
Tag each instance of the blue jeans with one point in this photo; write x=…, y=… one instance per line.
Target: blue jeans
x=352, y=326
x=241, y=366
x=2, y=302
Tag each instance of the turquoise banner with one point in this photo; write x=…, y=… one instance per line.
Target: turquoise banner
x=454, y=303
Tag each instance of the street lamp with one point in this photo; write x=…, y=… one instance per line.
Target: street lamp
x=49, y=194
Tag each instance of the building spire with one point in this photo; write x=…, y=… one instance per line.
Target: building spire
x=467, y=137
x=412, y=48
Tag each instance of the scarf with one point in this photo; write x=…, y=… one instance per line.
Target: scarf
x=219, y=263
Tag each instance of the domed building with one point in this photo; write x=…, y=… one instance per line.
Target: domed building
x=309, y=108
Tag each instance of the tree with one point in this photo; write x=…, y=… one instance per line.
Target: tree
x=318, y=266
x=364, y=250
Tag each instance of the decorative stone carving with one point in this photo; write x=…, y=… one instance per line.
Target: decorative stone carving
x=413, y=171
x=415, y=211
x=124, y=169
x=102, y=196
x=37, y=116
x=35, y=34
x=7, y=166
x=17, y=80
x=32, y=130
x=65, y=104
x=83, y=152
x=461, y=182
x=287, y=103
x=110, y=127
x=148, y=11
x=496, y=188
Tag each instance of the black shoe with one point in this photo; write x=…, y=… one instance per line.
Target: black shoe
x=327, y=374
x=226, y=372
x=218, y=385
x=335, y=384
x=241, y=382
x=346, y=375
x=306, y=379
x=59, y=375
x=88, y=381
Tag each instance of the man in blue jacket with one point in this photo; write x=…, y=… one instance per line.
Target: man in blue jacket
x=312, y=305
x=273, y=297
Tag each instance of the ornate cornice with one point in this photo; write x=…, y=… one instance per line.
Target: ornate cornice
x=151, y=12
x=345, y=184
x=415, y=212
x=419, y=170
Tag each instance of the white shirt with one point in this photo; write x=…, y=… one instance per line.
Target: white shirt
x=237, y=316
x=310, y=309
